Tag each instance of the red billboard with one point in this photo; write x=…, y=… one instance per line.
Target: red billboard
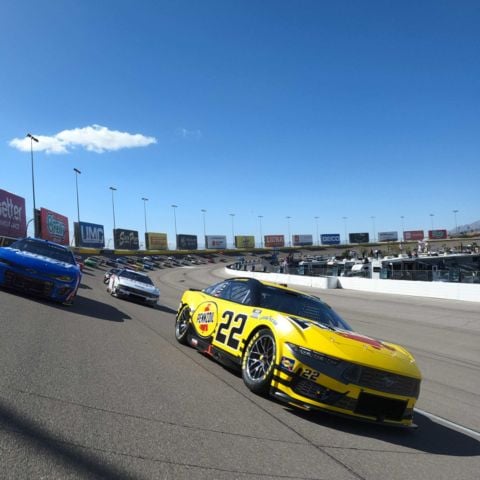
x=54, y=227
x=413, y=235
x=274, y=240
x=12, y=215
x=437, y=234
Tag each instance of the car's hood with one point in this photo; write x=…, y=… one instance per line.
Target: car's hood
x=38, y=262
x=127, y=282
x=354, y=347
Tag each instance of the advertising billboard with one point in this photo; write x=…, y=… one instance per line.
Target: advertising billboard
x=12, y=215
x=387, y=236
x=244, y=241
x=125, y=239
x=89, y=235
x=216, y=241
x=413, y=235
x=187, y=242
x=156, y=241
x=330, y=239
x=363, y=237
x=437, y=234
x=274, y=240
x=302, y=240
x=54, y=227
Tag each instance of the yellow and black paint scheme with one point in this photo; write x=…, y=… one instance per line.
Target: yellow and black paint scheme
x=314, y=366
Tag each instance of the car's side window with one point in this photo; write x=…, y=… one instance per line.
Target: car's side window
x=241, y=293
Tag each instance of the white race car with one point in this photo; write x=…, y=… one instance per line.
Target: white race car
x=133, y=285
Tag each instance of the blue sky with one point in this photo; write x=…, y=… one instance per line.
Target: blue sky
x=273, y=108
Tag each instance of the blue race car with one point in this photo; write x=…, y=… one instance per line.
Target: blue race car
x=40, y=268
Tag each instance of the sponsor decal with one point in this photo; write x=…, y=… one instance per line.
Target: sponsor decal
x=125, y=239
x=54, y=227
x=256, y=313
x=330, y=239
x=363, y=237
x=89, y=235
x=12, y=215
x=205, y=318
x=377, y=344
x=288, y=363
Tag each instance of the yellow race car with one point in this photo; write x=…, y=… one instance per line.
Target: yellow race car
x=295, y=347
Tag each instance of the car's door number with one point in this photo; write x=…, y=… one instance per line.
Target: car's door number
x=310, y=374
x=231, y=326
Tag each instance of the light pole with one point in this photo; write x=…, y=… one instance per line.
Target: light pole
x=431, y=219
x=204, y=226
x=145, y=200
x=77, y=172
x=373, y=222
x=175, y=222
x=345, y=226
x=33, y=139
x=261, y=233
x=113, y=189
x=232, y=215
x=318, y=238
x=403, y=227
x=288, y=228
x=455, y=217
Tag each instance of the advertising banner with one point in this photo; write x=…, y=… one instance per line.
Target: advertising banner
x=216, y=242
x=54, y=227
x=363, y=237
x=156, y=241
x=12, y=215
x=244, y=241
x=187, y=242
x=274, y=241
x=89, y=235
x=330, y=239
x=437, y=234
x=125, y=239
x=302, y=240
x=387, y=236
x=413, y=235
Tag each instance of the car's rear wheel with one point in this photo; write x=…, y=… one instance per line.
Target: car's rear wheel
x=182, y=325
x=259, y=361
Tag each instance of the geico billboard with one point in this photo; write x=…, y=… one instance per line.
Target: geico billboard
x=437, y=234
x=358, y=237
x=89, y=235
x=413, y=235
x=12, y=215
x=387, y=236
x=302, y=240
x=330, y=238
x=125, y=239
x=274, y=240
x=216, y=241
x=54, y=227
x=187, y=242
x=244, y=241
x=156, y=241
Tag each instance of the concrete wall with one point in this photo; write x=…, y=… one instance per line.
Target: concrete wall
x=450, y=291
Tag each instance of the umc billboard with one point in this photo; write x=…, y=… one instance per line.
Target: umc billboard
x=89, y=235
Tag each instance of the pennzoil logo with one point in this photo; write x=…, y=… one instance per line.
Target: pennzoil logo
x=287, y=363
x=205, y=318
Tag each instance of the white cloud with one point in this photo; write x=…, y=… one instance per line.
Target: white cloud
x=189, y=134
x=93, y=138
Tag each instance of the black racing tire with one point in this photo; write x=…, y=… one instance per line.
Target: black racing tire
x=259, y=361
x=183, y=325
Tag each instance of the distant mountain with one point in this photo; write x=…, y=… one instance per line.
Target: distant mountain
x=469, y=228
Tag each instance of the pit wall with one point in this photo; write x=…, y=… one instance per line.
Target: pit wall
x=448, y=291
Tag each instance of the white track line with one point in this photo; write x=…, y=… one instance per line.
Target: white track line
x=448, y=423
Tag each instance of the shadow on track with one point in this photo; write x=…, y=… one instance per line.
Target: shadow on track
x=93, y=308
x=37, y=437
x=430, y=437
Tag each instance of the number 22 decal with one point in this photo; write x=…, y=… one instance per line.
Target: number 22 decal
x=233, y=325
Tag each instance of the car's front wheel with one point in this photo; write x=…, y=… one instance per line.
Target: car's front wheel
x=182, y=325
x=259, y=361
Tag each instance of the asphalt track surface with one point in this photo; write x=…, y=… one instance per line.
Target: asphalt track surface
x=103, y=390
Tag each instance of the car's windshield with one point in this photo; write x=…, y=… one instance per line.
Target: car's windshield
x=49, y=250
x=136, y=276
x=305, y=306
